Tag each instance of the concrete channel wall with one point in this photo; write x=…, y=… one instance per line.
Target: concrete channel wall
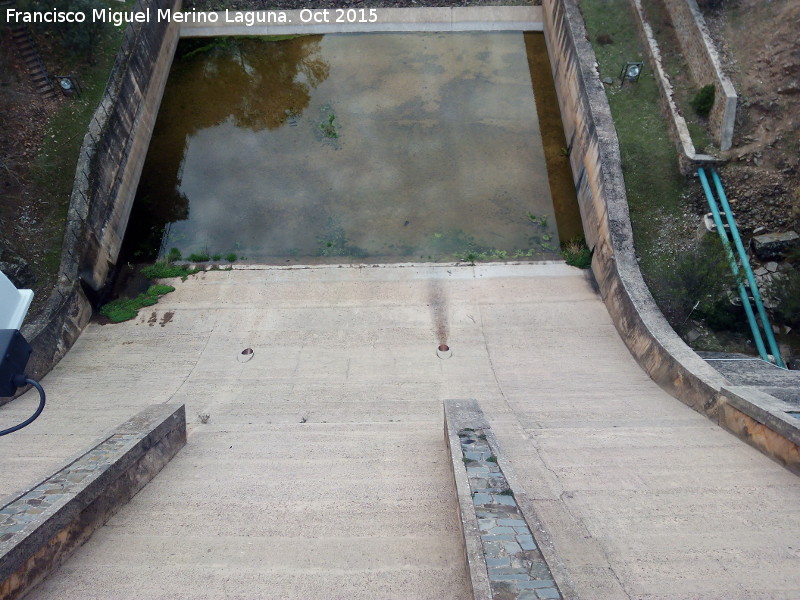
x=46, y=522
x=109, y=165
x=688, y=158
x=704, y=64
x=755, y=417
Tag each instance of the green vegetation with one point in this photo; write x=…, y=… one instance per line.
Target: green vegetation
x=231, y=257
x=654, y=185
x=541, y=221
x=698, y=284
x=703, y=100
x=199, y=257
x=173, y=255
x=124, y=309
x=576, y=253
x=53, y=169
x=335, y=242
x=165, y=270
x=329, y=128
x=785, y=293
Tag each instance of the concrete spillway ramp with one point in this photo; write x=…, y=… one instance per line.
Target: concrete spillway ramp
x=316, y=467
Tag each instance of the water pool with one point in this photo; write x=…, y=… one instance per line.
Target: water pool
x=382, y=147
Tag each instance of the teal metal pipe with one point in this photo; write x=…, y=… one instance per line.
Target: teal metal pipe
x=751, y=318
x=748, y=271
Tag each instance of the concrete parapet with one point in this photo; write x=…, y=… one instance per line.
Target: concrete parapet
x=476, y=18
x=43, y=524
x=597, y=172
x=459, y=414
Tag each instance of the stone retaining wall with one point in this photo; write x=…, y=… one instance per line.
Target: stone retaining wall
x=109, y=165
x=596, y=168
x=115, y=147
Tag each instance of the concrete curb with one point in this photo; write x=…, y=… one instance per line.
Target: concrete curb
x=460, y=415
x=456, y=415
x=43, y=524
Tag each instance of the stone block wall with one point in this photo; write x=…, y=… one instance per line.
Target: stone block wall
x=704, y=64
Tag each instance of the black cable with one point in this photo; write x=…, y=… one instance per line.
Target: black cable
x=35, y=415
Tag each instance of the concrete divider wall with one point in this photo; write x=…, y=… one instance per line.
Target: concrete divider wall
x=704, y=64
x=597, y=172
x=688, y=158
x=109, y=165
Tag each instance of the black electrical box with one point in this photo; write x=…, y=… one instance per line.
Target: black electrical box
x=14, y=354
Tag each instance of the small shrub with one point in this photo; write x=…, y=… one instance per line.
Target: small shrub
x=785, y=292
x=604, y=39
x=216, y=257
x=199, y=257
x=703, y=100
x=576, y=253
x=173, y=255
x=697, y=284
x=231, y=257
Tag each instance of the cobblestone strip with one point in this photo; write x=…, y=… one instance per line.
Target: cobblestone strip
x=517, y=569
x=43, y=524
x=57, y=490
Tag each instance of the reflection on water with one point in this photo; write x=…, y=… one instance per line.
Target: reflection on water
x=390, y=146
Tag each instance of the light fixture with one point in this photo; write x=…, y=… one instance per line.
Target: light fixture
x=68, y=84
x=630, y=72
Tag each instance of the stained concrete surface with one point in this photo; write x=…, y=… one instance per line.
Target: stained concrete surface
x=322, y=471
